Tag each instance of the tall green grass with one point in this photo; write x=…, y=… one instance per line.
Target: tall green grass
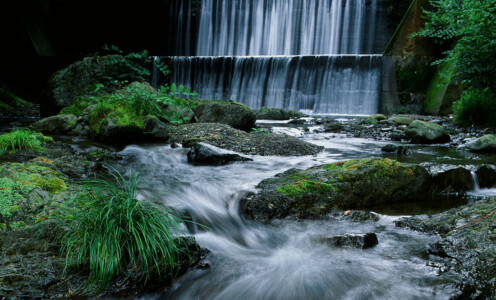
x=114, y=232
x=22, y=139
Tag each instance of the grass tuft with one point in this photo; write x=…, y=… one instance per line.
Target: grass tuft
x=114, y=232
x=22, y=139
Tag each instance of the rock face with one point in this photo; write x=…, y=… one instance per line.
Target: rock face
x=485, y=144
x=315, y=192
x=205, y=154
x=426, y=133
x=353, y=240
x=230, y=113
x=466, y=248
x=56, y=124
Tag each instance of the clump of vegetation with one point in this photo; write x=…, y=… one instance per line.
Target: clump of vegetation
x=470, y=25
x=22, y=139
x=134, y=104
x=476, y=106
x=113, y=231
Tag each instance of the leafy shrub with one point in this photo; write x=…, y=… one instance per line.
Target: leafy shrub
x=476, y=107
x=114, y=230
x=22, y=139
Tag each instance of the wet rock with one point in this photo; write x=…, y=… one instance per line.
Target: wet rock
x=297, y=121
x=314, y=192
x=484, y=144
x=400, y=120
x=205, y=154
x=272, y=114
x=467, y=245
x=397, y=149
x=396, y=136
x=331, y=125
x=425, y=132
x=226, y=137
x=448, y=179
x=230, y=113
x=155, y=130
x=486, y=176
x=353, y=240
x=56, y=124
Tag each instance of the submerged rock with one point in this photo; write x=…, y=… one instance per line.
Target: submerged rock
x=230, y=113
x=353, y=240
x=484, y=144
x=397, y=149
x=425, y=132
x=205, y=154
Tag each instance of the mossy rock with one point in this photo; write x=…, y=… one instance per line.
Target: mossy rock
x=426, y=132
x=314, y=192
x=484, y=144
x=401, y=120
x=82, y=77
x=10, y=102
x=26, y=189
x=230, y=113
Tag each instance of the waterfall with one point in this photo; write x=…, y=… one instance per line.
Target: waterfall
x=345, y=84
x=476, y=182
x=279, y=27
x=291, y=54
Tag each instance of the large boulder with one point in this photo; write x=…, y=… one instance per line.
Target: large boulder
x=230, y=113
x=358, y=184
x=485, y=144
x=56, y=124
x=81, y=78
x=205, y=154
x=314, y=192
x=427, y=133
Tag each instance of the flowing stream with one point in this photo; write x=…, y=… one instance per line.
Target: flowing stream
x=285, y=259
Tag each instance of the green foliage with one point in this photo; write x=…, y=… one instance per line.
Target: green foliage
x=113, y=230
x=476, y=106
x=22, y=139
x=471, y=24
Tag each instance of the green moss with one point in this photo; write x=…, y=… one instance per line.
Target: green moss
x=298, y=189
x=437, y=89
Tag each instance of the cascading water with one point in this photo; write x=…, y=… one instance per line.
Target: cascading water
x=291, y=54
x=321, y=84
